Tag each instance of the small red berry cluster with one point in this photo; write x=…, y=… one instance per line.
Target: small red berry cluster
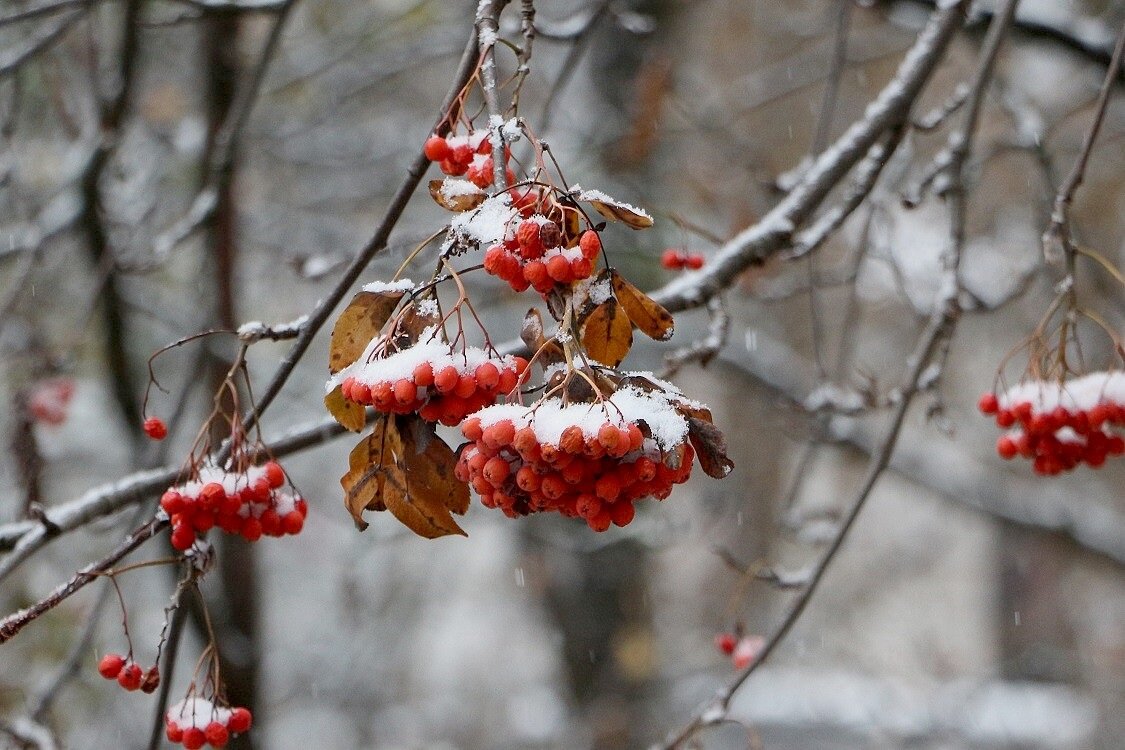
x=678, y=260
x=49, y=400
x=469, y=155
x=571, y=460
x=195, y=722
x=536, y=255
x=431, y=379
x=743, y=650
x=128, y=673
x=1061, y=426
x=251, y=504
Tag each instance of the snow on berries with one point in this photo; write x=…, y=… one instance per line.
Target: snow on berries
x=252, y=503
x=196, y=722
x=1059, y=426
x=429, y=378
x=584, y=460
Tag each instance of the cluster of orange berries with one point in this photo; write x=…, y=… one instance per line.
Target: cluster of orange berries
x=1061, y=426
x=535, y=256
x=251, y=504
x=593, y=474
x=434, y=382
x=128, y=673
x=195, y=722
x=678, y=260
x=469, y=155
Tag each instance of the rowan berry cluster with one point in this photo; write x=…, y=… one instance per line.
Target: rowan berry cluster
x=128, y=673
x=743, y=650
x=252, y=504
x=469, y=155
x=195, y=722
x=1059, y=426
x=155, y=428
x=49, y=400
x=536, y=256
x=586, y=460
x=430, y=378
x=678, y=260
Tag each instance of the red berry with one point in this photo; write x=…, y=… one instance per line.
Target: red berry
x=672, y=259
x=558, y=268
x=172, y=502
x=694, y=261
x=436, y=148
x=1007, y=447
x=292, y=522
x=487, y=376
x=130, y=677
x=110, y=666
x=405, y=391
x=183, y=536
x=725, y=642
x=590, y=244
x=216, y=734
x=275, y=475
x=424, y=375
x=194, y=738
x=173, y=731
x=251, y=530
x=447, y=379
x=240, y=720
x=155, y=428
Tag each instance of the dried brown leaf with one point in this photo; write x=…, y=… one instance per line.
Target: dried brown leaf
x=710, y=447
x=348, y=413
x=429, y=463
x=615, y=210
x=370, y=464
x=649, y=316
x=457, y=202
x=361, y=321
x=607, y=334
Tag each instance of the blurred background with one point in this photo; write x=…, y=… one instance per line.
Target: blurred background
x=974, y=604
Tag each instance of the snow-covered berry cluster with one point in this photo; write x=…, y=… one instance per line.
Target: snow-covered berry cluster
x=469, y=155
x=1060, y=426
x=678, y=260
x=430, y=378
x=536, y=255
x=128, y=673
x=195, y=722
x=587, y=460
x=252, y=504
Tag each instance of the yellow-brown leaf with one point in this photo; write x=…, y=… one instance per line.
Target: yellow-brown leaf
x=430, y=464
x=361, y=321
x=649, y=316
x=607, y=334
x=615, y=210
x=710, y=447
x=370, y=464
x=456, y=200
x=348, y=413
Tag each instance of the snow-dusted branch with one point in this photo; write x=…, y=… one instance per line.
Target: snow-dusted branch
x=488, y=30
x=774, y=233
x=41, y=39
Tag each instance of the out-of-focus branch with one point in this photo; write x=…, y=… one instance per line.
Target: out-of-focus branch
x=38, y=11
x=41, y=39
x=1057, y=241
x=774, y=232
x=939, y=329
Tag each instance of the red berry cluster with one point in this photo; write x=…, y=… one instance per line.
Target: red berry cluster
x=1060, y=427
x=742, y=650
x=49, y=399
x=250, y=504
x=678, y=260
x=429, y=379
x=469, y=155
x=536, y=256
x=128, y=673
x=593, y=473
x=195, y=722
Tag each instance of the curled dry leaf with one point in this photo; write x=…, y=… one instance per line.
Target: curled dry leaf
x=607, y=334
x=456, y=195
x=648, y=315
x=710, y=447
x=361, y=321
x=404, y=467
x=350, y=415
x=615, y=210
